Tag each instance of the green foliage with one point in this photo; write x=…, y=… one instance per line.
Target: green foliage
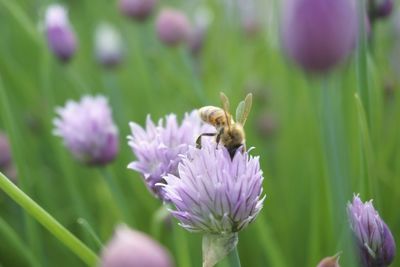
x=326, y=143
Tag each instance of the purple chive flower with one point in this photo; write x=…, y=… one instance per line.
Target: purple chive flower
x=158, y=147
x=172, y=27
x=374, y=239
x=319, y=34
x=108, y=45
x=88, y=130
x=137, y=9
x=215, y=194
x=129, y=248
x=60, y=36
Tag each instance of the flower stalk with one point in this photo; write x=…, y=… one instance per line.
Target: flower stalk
x=49, y=222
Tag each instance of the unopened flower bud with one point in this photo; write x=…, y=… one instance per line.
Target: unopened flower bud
x=374, y=239
x=319, y=34
x=330, y=261
x=108, y=45
x=172, y=26
x=129, y=248
x=88, y=130
x=60, y=36
x=137, y=9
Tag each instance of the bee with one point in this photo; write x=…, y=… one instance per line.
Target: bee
x=229, y=132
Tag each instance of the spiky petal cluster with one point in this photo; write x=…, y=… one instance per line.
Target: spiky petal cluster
x=214, y=193
x=129, y=248
x=158, y=146
x=374, y=239
x=60, y=36
x=88, y=130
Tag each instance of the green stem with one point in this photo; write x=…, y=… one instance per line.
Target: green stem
x=91, y=232
x=11, y=242
x=117, y=194
x=233, y=258
x=34, y=238
x=51, y=224
x=181, y=246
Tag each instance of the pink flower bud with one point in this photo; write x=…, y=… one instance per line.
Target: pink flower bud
x=172, y=26
x=319, y=34
x=129, y=248
x=60, y=37
x=137, y=9
x=330, y=261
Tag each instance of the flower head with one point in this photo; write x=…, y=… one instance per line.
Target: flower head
x=216, y=194
x=60, y=36
x=137, y=9
x=131, y=248
x=158, y=147
x=172, y=26
x=108, y=45
x=88, y=130
x=319, y=34
x=374, y=239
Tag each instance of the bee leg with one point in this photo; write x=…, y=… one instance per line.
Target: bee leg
x=218, y=138
x=198, y=141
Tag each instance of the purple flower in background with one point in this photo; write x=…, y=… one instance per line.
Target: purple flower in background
x=60, y=36
x=158, y=147
x=374, y=239
x=129, y=248
x=213, y=193
x=6, y=164
x=5, y=152
x=319, y=34
x=137, y=9
x=381, y=8
x=108, y=45
x=172, y=27
x=88, y=130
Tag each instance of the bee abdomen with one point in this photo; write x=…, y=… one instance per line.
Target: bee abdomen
x=213, y=115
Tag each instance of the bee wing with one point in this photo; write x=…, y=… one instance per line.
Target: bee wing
x=243, y=109
x=225, y=106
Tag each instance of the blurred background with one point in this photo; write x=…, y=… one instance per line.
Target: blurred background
x=237, y=51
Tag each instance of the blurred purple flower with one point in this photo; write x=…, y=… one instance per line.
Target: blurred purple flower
x=215, y=194
x=202, y=20
x=5, y=152
x=172, y=27
x=60, y=36
x=382, y=9
x=129, y=248
x=88, y=130
x=374, y=239
x=319, y=34
x=137, y=9
x=108, y=45
x=158, y=147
